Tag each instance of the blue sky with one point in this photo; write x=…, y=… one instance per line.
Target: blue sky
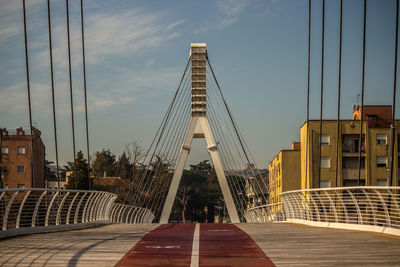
x=137, y=50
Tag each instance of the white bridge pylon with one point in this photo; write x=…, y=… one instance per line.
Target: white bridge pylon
x=199, y=127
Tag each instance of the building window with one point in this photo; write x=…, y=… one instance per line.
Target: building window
x=325, y=162
x=381, y=139
x=21, y=150
x=325, y=183
x=4, y=169
x=4, y=150
x=381, y=162
x=21, y=168
x=381, y=182
x=325, y=139
x=21, y=186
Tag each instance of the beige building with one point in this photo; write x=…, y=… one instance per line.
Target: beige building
x=17, y=159
x=323, y=165
x=284, y=173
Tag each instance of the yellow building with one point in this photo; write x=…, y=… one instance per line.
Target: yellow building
x=284, y=174
x=319, y=167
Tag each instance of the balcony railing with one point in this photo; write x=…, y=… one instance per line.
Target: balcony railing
x=352, y=148
x=352, y=174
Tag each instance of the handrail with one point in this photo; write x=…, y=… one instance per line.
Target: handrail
x=42, y=207
x=370, y=208
x=130, y=214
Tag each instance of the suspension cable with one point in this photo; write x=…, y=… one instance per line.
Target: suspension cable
x=85, y=94
x=339, y=89
x=70, y=88
x=52, y=92
x=362, y=96
x=29, y=92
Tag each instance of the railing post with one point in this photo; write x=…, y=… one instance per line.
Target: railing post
x=59, y=210
x=84, y=215
x=343, y=205
x=70, y=207
x=371, y=205
x=78, y=208
x=20, y=209
x=396, y=202
x=5, y=219
x=385, y=208
x=359, y=213
x=128, y=213
x=35, y=212
x=109, y=207
x=333, y=205
x=316, y=207
x=322, y=204
x=49, y=208
x=94, y=206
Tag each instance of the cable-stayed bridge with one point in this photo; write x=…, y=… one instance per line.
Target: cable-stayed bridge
x=93, y=228
x=350, y=225
x=199, y=110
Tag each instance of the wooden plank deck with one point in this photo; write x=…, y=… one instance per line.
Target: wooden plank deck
x=299, y=245
x=101, y=246
x=285, y=244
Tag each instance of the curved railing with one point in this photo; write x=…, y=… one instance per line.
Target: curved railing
x=49, y=208
x=370, y=208
x=265, y=213
x=129, y=214
x=21, y=208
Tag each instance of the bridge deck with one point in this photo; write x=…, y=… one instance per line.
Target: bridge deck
x=284, y=244
x=299, y=245
x=101, y=246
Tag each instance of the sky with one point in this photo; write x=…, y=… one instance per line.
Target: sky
x=136, y=52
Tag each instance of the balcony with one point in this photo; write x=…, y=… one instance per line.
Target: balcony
x=352, y=149
x=352, y=174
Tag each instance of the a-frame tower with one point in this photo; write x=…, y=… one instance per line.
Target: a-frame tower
x=199, y=128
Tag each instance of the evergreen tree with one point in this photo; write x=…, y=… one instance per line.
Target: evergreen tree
x=79, y=179
x=124, y=167
x=104, y=163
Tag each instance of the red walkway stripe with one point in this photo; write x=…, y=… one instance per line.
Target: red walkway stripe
x=227, y=245
x=167, y=245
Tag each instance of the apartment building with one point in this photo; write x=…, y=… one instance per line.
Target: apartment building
x=284, y=172
x=323, y=165
x=17, y=159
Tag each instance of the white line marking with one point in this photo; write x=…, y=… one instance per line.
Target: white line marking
x=163, y=246
x=195, y=247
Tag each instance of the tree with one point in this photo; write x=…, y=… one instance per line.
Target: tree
x=135, y=153
x=104, y=163
x=198, y=194
x=123, y=167
x=79, y=179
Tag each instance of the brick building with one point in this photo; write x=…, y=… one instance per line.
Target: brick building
x=16, y=159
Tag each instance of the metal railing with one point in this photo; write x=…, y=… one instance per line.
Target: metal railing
x=371, y=208
x=265, y=213
x=129, y=214
x=32, y=207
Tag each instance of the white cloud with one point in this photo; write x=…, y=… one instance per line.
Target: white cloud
x=109, y=34
x=11, y=18
x=125, y=33
x=230, y=11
